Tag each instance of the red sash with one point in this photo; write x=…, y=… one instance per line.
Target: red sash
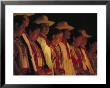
x=57, y=58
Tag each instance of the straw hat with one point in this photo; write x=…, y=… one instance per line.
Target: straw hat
x=84, y=33
x=44, y=19
x=64, y=26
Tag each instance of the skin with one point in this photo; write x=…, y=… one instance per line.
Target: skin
x=67, y=34
x=57, y=39
x=93, y=48
x=78, y=41
x=26, y=21
x=34, y=34
x=21, y=29
x=84, y=42
x=45, y=29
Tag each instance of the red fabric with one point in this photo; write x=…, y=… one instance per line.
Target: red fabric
x=57, y=58
x=35, y=53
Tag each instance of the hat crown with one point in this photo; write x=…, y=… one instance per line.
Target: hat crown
x=85, y=34
x=64, y=26
x=43, y=18
x=64, y=23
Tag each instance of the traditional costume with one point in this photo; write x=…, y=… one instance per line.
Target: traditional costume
x=36, y=56
x=57, y=60
x=77, y=58
x=21, y=63
x=86, y=61
x=65, y=50
x=44, y=43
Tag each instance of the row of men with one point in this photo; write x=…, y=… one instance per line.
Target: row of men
x=34, y=54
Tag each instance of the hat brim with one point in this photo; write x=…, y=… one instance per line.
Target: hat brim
x=86, y=35
x=50, y=23
x=65, y=28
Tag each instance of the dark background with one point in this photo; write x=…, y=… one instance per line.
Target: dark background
x=78, y=20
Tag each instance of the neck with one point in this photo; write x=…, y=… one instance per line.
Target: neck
x=43, y=35
x=75, y=44
x=30, y=37
x=54, y=43
x=64, y=40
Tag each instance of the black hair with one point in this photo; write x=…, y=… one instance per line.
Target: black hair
x=19, y=19
x=42, y=25
x=52, y=32
x=74, y=35
x=32, y=27
x=91, y=41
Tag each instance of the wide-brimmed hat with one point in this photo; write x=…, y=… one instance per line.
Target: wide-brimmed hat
x=44, y=19
x=64, y=26
x=84, y=33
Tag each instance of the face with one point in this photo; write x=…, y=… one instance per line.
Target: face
x=67, y=34
x=94, y=47
x=78, y=41
x=84, y=41
x=46, y=29
x=21, y=29
x=34, y=35
x=26, y=21
x=59, y=37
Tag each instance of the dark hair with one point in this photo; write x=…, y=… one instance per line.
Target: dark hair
x=32, y=27
x=19, y=19
x=52, y=32
x=91, y=41
x=42, y=25
x=74, y=35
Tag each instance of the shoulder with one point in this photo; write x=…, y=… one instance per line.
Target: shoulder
x=41, y=40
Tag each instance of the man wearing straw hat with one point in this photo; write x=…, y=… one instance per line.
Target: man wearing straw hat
x=43, y=42
x=65, y=48
x=86, y=62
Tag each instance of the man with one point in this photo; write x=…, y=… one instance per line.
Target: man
x=33, y=48
x=29, y=38
x=43, y=41
x=92, y=53
x=65, y=47
x=56, y=37
x=76, y=54
x=21, y=63
x=86, y=62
